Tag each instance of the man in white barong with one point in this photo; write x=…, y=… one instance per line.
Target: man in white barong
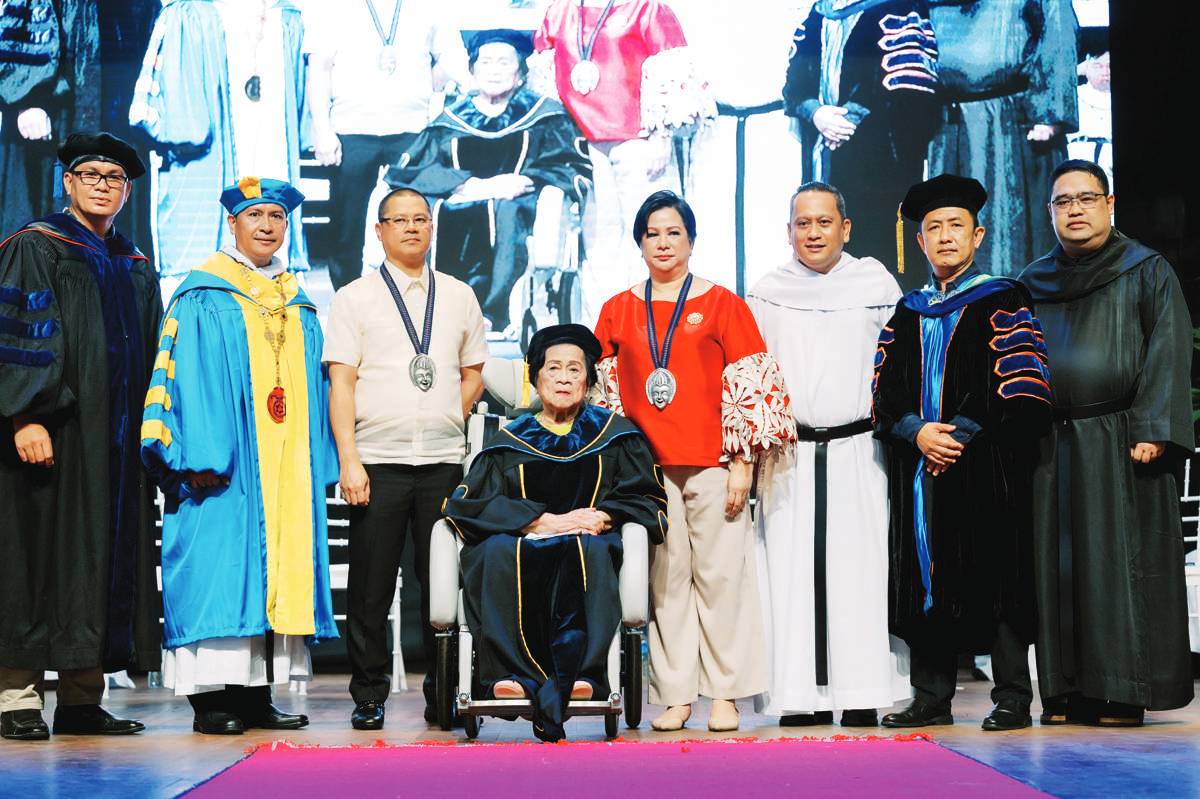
x=823, y=508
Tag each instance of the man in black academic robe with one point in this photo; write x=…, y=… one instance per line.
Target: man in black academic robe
x=961, y=394
x=862, y=82
x=79, y=318
x=1112, y=609
x=544, y=610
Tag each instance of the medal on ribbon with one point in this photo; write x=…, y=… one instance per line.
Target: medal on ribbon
x=422, y=371
x=387, y=59
x=585, y=75
x=661, y=385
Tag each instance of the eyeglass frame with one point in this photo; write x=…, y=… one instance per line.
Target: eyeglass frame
x=1087, y=200
x=404, y=221
x=122, y=179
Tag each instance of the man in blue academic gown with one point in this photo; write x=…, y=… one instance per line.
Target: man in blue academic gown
x=236, y=431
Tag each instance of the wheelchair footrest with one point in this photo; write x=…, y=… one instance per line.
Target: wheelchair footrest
x=521, y=707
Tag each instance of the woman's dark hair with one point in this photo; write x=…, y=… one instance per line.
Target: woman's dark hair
x=536, y=362
x=658, y=201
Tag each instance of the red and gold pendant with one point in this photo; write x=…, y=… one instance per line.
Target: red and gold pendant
x=277, y=405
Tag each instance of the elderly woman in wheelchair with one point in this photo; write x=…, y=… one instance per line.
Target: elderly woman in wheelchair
x=540, y=516
x=502, y=165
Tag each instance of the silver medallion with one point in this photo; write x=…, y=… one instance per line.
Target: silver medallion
x=585, y=76
x=387, y=59
x=422, y=372
x=660, y=388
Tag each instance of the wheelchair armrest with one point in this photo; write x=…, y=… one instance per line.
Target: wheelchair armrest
x=443, y=576
x=634, y=579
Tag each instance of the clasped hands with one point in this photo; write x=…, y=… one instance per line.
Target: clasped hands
x=941, y=451
x=582, y=521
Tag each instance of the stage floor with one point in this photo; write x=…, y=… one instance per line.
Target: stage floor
x=1159, y=759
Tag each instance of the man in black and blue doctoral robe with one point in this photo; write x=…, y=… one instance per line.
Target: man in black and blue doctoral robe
x=79, y=318
x=539, y=572
x=961, y=395
x=1112, y=604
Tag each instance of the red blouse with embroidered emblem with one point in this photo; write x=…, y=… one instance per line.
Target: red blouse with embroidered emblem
x=730, y=397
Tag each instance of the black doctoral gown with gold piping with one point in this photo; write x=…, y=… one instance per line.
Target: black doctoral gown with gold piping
x=1113, y=623
x=483, y=243
x=543, y=611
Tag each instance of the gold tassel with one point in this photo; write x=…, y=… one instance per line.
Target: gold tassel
x=525, y=385
x=899, y=242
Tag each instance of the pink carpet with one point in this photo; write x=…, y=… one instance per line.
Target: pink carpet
x=728, y=769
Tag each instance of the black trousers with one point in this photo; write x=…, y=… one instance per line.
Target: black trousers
x=935, y=671
x=406, y=501
x=239, y=700
x=350, y=190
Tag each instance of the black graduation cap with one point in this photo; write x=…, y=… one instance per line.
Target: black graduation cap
x=101, y=146
x=521, y=41
x=944, y=191
x=578, y=335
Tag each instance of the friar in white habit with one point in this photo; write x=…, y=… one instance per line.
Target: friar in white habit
x=823, y=507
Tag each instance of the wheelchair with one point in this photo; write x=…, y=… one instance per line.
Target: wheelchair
x=549, y=292
x=456, y=680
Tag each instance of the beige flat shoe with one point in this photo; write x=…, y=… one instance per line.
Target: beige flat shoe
x=724, y=716
x=508, y=689
x=581, y=690
x=673, y=718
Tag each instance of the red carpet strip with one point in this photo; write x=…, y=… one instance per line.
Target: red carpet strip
x=843, y=766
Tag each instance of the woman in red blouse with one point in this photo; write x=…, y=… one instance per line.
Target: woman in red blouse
x=694, y=375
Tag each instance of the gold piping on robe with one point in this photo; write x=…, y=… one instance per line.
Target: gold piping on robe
x=521, y=619
x=582, y=565
x=599, y=475
x=574, y=455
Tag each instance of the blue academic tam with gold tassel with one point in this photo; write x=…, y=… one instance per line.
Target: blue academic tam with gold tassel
x=251, y=191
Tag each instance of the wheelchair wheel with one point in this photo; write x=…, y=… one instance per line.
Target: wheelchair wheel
x=631, y=678
x=444, y=679
x=610, y=726
x=471, y=725
x=528, y=328
x=569, y=300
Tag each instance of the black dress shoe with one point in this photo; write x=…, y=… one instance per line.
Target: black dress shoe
x=272, y=718
x=817, y=719
x=218, y=722
x=1008, y=715
x=1054, y=711
x=1119, y=714
x=23, y=725
x=860, y=718
x=919, y=714
x=367, y=716
x=91, y=720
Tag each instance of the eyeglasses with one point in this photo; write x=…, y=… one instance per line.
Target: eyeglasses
x=404, y=221
x=1087, y=201
x=94, y=178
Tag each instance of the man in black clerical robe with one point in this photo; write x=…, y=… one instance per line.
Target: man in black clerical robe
x=961, y=395
x=544, y=610
x=79, y=317
x=1112, y=632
